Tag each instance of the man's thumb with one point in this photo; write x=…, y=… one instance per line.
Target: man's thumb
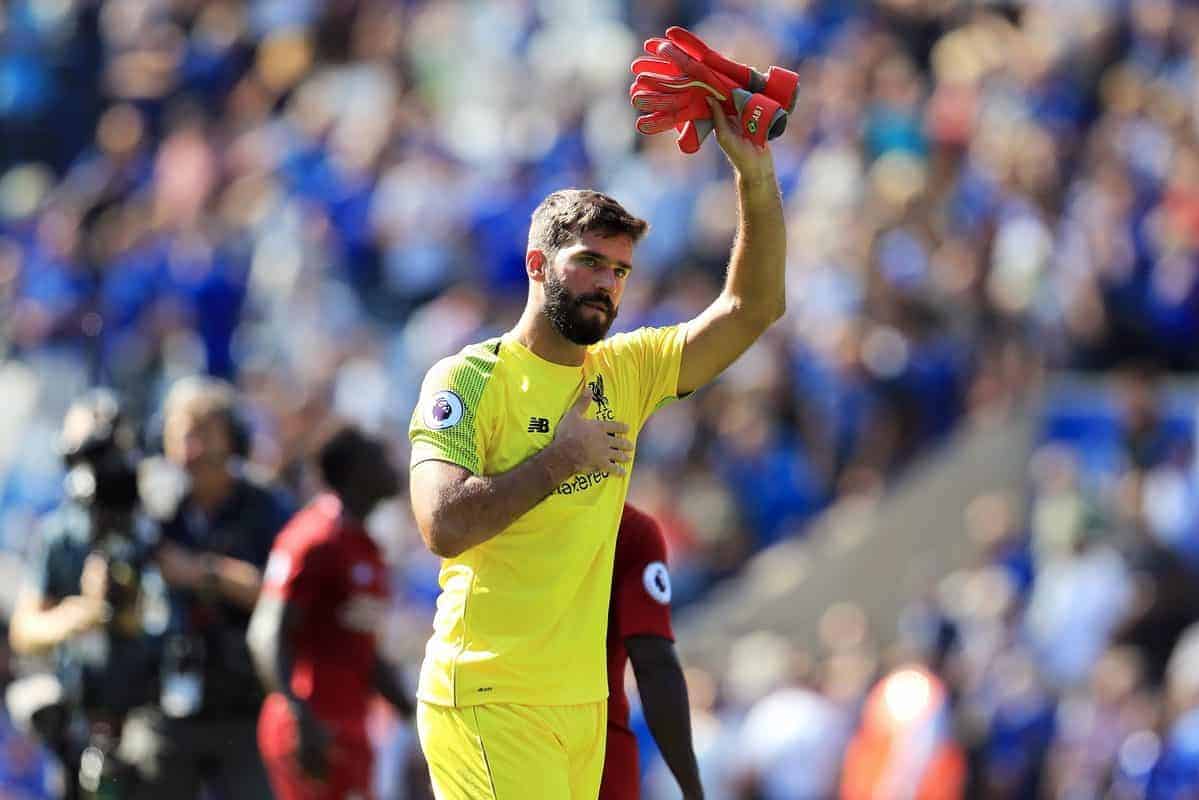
x=580, y=406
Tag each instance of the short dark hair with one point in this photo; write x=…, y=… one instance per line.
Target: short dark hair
x=569, y=213
x=338, y=449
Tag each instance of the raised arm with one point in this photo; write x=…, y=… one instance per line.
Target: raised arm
x=457, y=510
x=40, y=623
x=754, y=295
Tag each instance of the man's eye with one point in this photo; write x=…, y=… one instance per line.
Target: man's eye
x=588, y=261
x=622, y=273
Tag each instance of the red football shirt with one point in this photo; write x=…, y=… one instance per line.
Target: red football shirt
x=640, y=606
x=333, y=571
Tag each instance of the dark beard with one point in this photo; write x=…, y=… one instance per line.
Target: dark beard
x=565, y=312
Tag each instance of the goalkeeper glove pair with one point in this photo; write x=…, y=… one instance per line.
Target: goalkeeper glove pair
x=679, y=73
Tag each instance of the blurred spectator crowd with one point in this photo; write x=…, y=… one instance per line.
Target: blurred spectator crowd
x=1063, y=663
x=318, y=200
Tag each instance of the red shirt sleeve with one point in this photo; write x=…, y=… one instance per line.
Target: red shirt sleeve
x=294, y=571
x=642, y=585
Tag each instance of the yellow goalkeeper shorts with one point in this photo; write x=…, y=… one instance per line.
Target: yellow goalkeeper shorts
x=513, y=752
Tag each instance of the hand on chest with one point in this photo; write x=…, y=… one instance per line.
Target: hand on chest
x=534, y=409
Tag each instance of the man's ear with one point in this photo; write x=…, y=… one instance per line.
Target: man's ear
x=536, y=264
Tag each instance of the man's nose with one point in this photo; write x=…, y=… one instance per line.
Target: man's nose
x=605, y=281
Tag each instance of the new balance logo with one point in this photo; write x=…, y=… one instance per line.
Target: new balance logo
x=539, y=425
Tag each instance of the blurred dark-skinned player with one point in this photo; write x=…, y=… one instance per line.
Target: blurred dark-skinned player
x=313, y=633
x=639, y=632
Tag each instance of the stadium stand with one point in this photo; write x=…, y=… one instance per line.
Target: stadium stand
x=319, y=200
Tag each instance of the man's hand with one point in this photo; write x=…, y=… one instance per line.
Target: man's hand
x=180, y=568
x=752, y=163
x=781, y=85
x=312, y=742
x=672, y=87
x=82, y=614
x=591, y=445
x=91, y=608
x=93, y=581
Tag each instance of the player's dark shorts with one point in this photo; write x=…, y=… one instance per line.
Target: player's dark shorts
x=350, y=758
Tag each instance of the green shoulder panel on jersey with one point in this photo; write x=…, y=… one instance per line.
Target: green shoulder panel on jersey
x=445, y=424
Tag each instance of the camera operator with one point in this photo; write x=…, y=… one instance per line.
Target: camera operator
x=214, y=545
x=83, y=601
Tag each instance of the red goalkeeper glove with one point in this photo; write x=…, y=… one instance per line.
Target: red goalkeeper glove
x=780, y=85
x=661, y=92
x=672, y=86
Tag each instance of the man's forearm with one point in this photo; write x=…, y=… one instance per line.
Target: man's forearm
x=663, y=691
x=236, y=580
x=756, y=281
x=754, y=294
x=34, y=632
x=272, y=662
x=477, y=509
x=388, y=685
x=269, y=648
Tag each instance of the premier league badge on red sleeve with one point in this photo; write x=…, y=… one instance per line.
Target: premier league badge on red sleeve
x=656, y=579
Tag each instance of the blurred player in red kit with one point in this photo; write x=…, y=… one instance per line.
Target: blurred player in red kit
x=325, y=591
x=639, y=632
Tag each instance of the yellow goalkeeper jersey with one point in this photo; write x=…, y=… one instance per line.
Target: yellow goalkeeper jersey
x=522, y=618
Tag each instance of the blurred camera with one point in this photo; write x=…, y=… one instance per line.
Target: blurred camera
x=99, y=448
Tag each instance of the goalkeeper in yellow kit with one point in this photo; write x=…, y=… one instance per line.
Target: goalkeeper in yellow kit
x=521, y=448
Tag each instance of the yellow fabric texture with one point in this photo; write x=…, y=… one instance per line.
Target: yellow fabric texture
x=514, y=752
x=522, y=618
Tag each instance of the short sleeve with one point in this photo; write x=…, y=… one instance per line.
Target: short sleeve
x=651, y=358
x=449, y=423
x=294, y=572
x=643, y=589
